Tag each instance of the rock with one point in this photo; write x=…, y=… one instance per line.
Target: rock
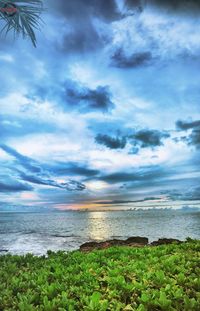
x=115, y=242
x=137, y=240
x=89, y=245
x=165, y=241
x=132, y=241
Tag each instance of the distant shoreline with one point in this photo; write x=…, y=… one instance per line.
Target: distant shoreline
x=140, y=209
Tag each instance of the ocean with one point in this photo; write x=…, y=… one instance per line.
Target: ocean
x=22, y=233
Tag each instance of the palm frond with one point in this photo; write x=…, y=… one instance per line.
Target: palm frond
x=26, y=19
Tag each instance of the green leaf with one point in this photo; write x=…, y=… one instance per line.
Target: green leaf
x=145, y=297
x=25, y=21
x=164, y=302
x=94, y=300
x=128, y=308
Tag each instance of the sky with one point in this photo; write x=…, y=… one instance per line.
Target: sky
x=105, y=112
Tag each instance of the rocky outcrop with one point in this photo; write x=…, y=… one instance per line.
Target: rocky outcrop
x=135, y=241
x=132, y=241
x=165, y=241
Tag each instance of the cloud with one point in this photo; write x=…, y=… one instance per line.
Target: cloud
x=26, y=162
x=113, y=202
x=148, y=138
x=186, y=125
x=192, y=194
x=111, y=142
x=70, y=185
x=14, y=186
x=104, y=9
x=145, y=138
x=14, y=126
x=72, y=95
x=192, y=139
x=39, y=174
x=158, y=38
x=177, y=6
x=73, y=185
x=142, y=175
x=136, y=5
x=83, y=36
x=81, y=39
x=70, y=169
x=76, y=96
x=85, y=99
x=120, y=60
x=35, y=179
x=119, y=177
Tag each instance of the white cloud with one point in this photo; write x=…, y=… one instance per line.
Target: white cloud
x=165, y=35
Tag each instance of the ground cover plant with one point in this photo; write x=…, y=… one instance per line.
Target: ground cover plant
x=163, y=277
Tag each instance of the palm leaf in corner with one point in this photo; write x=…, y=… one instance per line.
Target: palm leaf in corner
x=26, y=19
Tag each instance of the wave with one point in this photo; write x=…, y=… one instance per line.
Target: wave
x=65, y=236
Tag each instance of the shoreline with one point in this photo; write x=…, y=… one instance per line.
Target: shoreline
x=132, y=242
x=135, y=241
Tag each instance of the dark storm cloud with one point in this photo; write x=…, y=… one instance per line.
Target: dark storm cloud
x=82, y=35
x=177, y=5
x=192, y=139
x=73, y=185
x=37, y=179
x=149, y=138
x=14, y=186
x=74, y=96
x=119, y=177
x=70, y=169
x=111, y=142
x=193, y=194
x=70, y=185
x=140, y=139
x=111, y=202
x=37, y=173
x=155, y=177
x=26, y=162
x=104, y=9
x=85, y=99
x=190, y=195
x=169, y=5
x=136, y=5
x=82, y=39
x=141, y=175
x=186, y=125
x=120, y=60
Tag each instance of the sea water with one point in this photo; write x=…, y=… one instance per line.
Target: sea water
x=22, y=233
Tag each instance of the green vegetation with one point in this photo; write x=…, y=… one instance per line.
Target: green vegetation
x=120, y=278
x=26, y=19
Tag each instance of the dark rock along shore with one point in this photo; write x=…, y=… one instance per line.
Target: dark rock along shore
x=136, y=241
x=132, y=241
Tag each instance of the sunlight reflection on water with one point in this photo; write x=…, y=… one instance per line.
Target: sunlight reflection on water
x=37, y=232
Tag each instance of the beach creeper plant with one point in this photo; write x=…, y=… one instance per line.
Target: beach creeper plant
x=159, y=278
x=22, y=17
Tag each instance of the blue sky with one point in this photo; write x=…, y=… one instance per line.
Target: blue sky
x=105, y=112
